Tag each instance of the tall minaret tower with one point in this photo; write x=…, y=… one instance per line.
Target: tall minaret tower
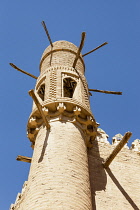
x=59, y=133
x=60, y=128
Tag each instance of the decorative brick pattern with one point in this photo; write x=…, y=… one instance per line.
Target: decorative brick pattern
x=85, y=90
x=53, y=81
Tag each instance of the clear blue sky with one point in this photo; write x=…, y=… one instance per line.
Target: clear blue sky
x=114, y=67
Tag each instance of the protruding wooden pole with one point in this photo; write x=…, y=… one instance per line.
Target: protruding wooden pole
x=80, y=48
x=95, y=48
x=31, y=93
x=24, y=159
x=15, y=67
x=46, y=30
x=117, y=149
x=106, y=91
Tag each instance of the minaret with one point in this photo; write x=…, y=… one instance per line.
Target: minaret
x=59, y=175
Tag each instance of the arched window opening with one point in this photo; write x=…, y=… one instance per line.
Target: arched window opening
x=41, y=92
x=69, y=86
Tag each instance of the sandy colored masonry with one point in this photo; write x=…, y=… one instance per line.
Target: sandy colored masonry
x=66, y=169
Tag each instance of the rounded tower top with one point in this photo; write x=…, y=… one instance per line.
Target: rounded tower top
x=62, y=53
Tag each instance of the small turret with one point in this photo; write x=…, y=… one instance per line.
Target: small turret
x=116, y=139
x=135, y=146
x=102, y=136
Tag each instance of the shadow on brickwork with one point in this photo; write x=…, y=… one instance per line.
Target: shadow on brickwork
x=98, y=178
x=121, y=189
x=44, y=146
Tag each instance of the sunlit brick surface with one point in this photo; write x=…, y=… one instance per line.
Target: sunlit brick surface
x=59, y=177
x=64, y=52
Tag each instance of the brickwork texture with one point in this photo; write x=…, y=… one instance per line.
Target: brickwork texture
x=117, y=187
x=59, y=177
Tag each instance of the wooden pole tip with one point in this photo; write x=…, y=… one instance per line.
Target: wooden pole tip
x=31, y=92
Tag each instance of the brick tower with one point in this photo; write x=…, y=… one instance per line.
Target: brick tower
x=64, y=174
x=59, y=174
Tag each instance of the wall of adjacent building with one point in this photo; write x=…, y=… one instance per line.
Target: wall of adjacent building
x=118, y=187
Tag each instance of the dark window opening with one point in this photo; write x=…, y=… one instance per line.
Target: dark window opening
x=69, y=86
x=41, y=92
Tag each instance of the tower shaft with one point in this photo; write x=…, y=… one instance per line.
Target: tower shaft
x=59, y=177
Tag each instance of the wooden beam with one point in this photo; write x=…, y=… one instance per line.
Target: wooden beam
x=46, y=30
x=15, y=67
x=31, y=93
x=95, y=48
x=106, y=91
x=24, y=159
x=117, y=149
x=80, y=48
